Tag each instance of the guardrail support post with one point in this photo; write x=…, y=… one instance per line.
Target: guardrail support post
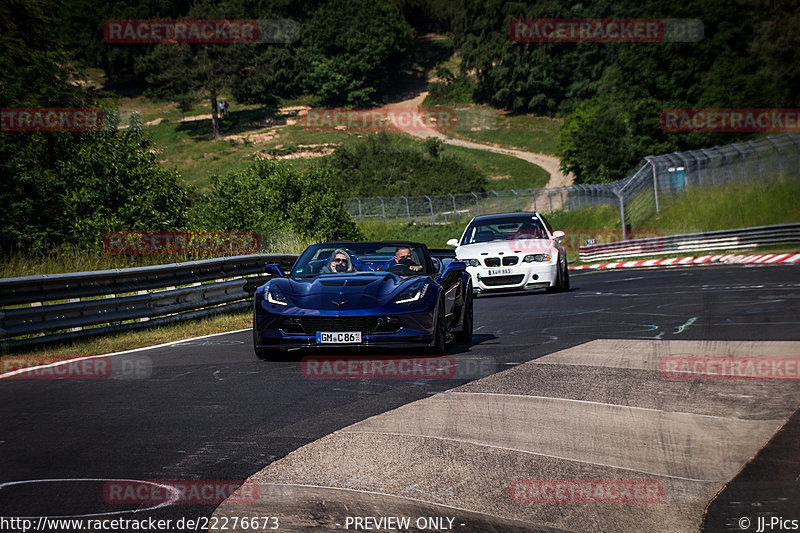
x=757, y=150
x=430, y=204
x=533, y=194
x=383, y=209
x=622, y=215
x=454, y=204
x=516, y=200
x=359, y=208
x=408, y=213
x=477, y=207
x=655, y=183
x=498, y=200
x=744, y=161
x=777, y=151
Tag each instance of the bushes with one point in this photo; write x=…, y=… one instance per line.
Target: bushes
x=274, y=197
x=389, y=165
x=66, y=190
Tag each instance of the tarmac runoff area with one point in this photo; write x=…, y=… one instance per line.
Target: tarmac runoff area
x=592, y=438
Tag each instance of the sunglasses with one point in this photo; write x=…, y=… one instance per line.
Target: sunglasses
x=340, y=260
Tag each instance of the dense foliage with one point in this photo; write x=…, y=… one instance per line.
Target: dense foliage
x=354, y=47
x=66, y=189
x=612, y=94
x=272, y=196
x=385, y=165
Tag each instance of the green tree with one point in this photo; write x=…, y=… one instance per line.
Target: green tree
x=273, y=196
x=68, y=188
x=354, y=45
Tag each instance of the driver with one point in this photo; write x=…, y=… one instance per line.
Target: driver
x=339, y=261
x=403, y=257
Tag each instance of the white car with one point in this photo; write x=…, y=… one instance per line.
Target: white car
x=513, y=251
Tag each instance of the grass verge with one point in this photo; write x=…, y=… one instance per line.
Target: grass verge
x=129, y=340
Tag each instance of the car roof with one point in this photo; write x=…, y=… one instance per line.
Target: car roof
x=506, y=215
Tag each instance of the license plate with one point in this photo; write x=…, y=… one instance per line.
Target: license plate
x=500, y=271
x=338, y=337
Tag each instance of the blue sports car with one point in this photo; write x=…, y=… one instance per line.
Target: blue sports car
x=363, y=294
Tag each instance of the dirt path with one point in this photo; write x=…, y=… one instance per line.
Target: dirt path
x=548, y=162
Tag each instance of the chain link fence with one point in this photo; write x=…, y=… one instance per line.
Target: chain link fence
x=657, y=181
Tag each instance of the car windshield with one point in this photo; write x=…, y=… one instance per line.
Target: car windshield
x=501, y=229
x=361, y=257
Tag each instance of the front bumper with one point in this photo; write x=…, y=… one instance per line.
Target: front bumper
x=525, y=276
x=297, y=330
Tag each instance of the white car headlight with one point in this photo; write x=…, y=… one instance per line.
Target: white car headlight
x=276, y=296
x=412, y=294
x=471, y=262
x=536, y=258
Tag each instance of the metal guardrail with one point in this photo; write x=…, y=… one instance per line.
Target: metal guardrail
x=92, y=297
x=734, y=239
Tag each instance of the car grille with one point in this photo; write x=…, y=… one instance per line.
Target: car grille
x=492, y=261
x=510, y=260
x=310, y=325
x=503, y=280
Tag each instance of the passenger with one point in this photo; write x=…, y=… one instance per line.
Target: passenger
x=338, y=262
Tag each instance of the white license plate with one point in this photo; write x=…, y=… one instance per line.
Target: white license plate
x=500, y=271
x=338, y=337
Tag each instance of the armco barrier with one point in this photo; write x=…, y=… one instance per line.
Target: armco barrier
x=734, y=239
x=182, y=291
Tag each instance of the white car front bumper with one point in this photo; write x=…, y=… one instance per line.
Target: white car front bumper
x=521, y=276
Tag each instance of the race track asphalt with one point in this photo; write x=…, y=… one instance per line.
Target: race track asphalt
x=211, y=411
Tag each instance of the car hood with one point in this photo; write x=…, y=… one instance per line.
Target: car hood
x=343, y=292
x=510, y=247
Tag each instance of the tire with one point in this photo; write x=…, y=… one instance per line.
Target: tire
x=439, y=334
x=562, y=280
x=465, y=335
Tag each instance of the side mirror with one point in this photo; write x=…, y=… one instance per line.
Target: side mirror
x=274, y=270
x=454, y=265
x=437, y=264
x=452, y=242
x=558, y=234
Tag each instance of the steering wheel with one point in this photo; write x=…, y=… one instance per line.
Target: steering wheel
x=399, y=269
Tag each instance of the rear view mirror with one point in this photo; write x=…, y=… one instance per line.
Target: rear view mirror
x=452, y=242
x=558, y=234
x=274, y=270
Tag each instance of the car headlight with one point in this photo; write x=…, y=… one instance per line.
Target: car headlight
x=536, y=258
x=412, y=294
x=471, y=262
x=276, y=296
